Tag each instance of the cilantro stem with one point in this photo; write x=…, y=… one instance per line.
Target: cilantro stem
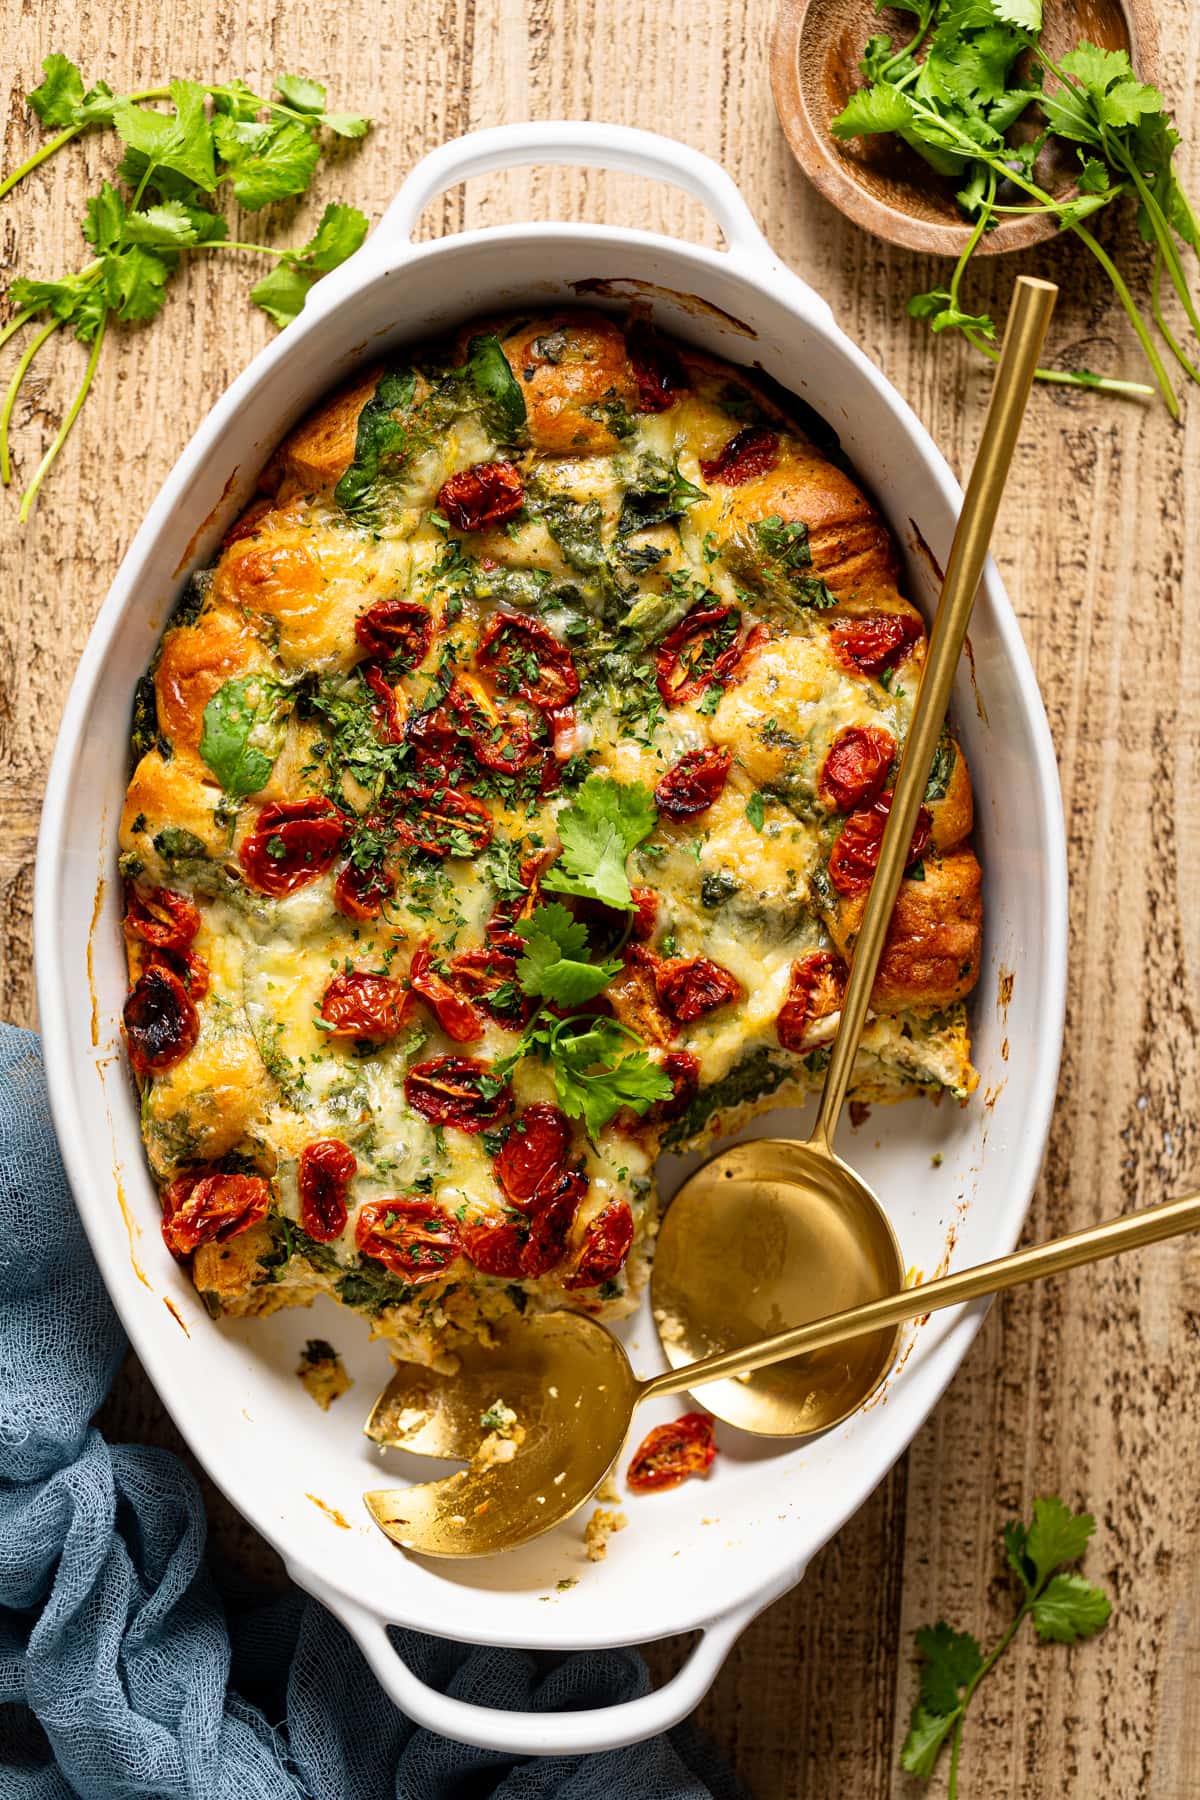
x=1108, y=384
x=955, y=1751
x=1172, y=343
x=54, y=144
x=14, y=325
x=14, y=388
x=60, y=437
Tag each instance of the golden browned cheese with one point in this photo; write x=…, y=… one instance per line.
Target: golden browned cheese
x=672, y=537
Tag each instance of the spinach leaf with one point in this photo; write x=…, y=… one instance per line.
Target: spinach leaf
x=941, y=769
x=501, y=401
x=382, y=441
x=661, y=494
x=243, y=731
x=174, y=845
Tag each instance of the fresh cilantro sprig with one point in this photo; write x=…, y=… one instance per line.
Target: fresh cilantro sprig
x=1062, y=1604
x=954, y=91
x=555, y=965
x=605, y=821
x=211, y=137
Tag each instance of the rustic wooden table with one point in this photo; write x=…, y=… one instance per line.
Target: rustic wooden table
x=1087, y=1387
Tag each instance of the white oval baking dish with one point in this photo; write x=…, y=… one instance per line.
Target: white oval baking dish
x=709, y=1555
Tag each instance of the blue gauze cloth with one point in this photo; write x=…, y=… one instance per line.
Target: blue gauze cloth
x=127, y=1668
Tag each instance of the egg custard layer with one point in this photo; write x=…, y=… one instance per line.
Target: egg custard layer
x=503, y=808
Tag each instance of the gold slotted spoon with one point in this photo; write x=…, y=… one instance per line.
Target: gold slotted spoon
x=574, y=1392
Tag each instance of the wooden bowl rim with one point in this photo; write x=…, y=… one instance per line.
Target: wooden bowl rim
x=817, y=153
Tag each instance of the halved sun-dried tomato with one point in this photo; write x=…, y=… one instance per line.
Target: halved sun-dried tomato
x=443, y=821
x=645, y=912
x=691, y=785
x=500, y=740
x=670, y=1453
x=751, y=452
x=458, y=1018
x=165, y=919
x=457, y=1090
x=659, y=374
x=361, y=1005
x=859, y=761
x=247, y=526
x=293, y=842
x=855, y=854
x=495, y=1246
x=398, y=632
x=201, y=1207
x=526, y=658
x=550, y=1218
x=500, y=928
x=481, y=496
x=702, y=649
x=161, y=1021
x=683, y=1068
x=412, y=1238
x=437, y=742
x=488, y=975
x=362, y=893
x=690, y=986
x=606, y=1244
x=818, y=981
x=633, y=996
x=875, y=642
x=327, y=1167
x=391, y=705
x=533, y=1153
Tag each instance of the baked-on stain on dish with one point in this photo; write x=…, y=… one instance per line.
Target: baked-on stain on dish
x=176, y=1315
x=624, y=287
x=91, y=979
x=132, y=1231
x=202, y=527
x=331, y=1512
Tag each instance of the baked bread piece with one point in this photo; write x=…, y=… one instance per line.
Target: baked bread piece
x=516, y=620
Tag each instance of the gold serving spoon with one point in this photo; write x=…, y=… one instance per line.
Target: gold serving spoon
x=574, y=1394
x=772, y=1232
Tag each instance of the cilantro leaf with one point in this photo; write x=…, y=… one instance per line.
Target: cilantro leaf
x=301, y=94
x=593, y=1079
x=1069, y=1608
x=266, y=163
x=952, y=1660
x=134, y=283
x=243, y=731
x=555, y=964
x=927, y=1732
x=58, y=100
x=181, y=140
x=1025, y=14
x=940, y=311
x=1056, y=1536
x=282, y=293
x=605, y=821
x=872, y=110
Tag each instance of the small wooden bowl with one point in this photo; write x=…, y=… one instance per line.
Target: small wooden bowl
x=878, y=181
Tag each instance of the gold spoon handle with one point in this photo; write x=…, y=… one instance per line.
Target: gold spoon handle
x=1033, y=302
x=1172, y=1218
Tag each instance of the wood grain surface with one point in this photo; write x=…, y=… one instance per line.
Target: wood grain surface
x=1089, y=1387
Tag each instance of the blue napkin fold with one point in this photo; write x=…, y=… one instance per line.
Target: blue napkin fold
x=128, y=1668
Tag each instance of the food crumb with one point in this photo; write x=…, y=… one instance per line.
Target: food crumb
x=564, y=1582
x=599, y=1528
x=608, y=1490
x=320, y=1369
x=504, y=1436
x=935, y=1161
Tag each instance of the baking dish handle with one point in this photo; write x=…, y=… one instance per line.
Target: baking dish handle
x=534, y=1733
x=570, y=142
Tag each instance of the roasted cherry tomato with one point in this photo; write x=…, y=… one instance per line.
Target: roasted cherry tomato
x=633, y=996
x=500, y=741
x=457, y=1090
x=856, y=767
x=201, y=1208
x=454, y=1012
x=327, y=1167
x=500, y=929
x=550, y=1219
x=683, y=1068
x=855, y=854
x=670, y=1453
x=437, y=741
x=292, y=843
x=645, y=912
x=752, y=452
x=161, y=1021
x=702, y=648
x=526, y=658
x=247, y=526
x=606, y=1244
x=191, y=969
x=818, y=981
x=495, y=1246
x=397, y=632
x=485, y=495
x=391, y=705
x=444, y=821
x=876, y=641
x=533, y=1154
x=165, y=919
x=488, y=975
x=361, y=1005
x=692, y=784
x=690, y=986
x=362, y=893
x=410, y=1237
x=659, y=374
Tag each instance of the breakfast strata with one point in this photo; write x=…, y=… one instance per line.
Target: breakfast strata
x=503, y=807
